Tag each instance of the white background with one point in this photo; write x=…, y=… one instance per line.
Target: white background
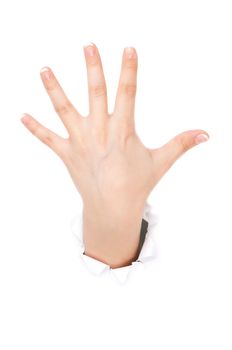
x=183, y=299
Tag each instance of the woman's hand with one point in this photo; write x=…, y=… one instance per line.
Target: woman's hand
x=110, y=167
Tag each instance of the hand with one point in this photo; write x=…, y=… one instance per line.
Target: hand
x=111, y=168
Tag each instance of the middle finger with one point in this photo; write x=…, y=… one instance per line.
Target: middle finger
x=98, y=108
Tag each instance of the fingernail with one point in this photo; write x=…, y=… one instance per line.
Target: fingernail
x=90, y=49
x=130, y=52
x=46, y=73
x=201, y=138
x=25, y=118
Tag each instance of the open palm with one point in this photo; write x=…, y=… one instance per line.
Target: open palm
x=109, y=165
x=103, y=153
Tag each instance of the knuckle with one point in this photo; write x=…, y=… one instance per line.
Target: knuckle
x=124, y=139
x=98, y=90
x=93, y=61
x=47, y=139
x=128, y=89
x=63, y=108
x=51, y=85
x=42, y=135
x=183, y=143
x=131, y=64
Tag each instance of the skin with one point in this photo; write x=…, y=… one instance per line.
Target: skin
x=111, y=168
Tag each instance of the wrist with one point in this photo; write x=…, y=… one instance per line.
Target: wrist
x=113, y=235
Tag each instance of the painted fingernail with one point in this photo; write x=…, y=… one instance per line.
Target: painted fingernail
x=90, y=49
x=46, y=73
x=130, y=52
x=201, y=138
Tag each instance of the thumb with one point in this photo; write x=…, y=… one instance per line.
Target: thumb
x=172, y=150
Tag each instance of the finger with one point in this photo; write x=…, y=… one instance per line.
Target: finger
x=177, y=146
x=61, y=103
x=125, y=99
x=98, y=108
x=48, y=137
